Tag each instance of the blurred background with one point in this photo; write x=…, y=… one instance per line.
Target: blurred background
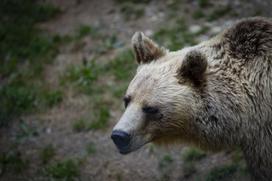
x=65, y=65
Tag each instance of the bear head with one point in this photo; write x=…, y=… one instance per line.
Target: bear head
x=162, y=98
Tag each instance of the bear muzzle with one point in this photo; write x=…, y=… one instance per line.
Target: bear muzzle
x=122, y=141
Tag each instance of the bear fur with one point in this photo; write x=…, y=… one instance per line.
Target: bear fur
x=216, y=95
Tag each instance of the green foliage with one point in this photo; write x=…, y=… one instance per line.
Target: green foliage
x=132, y=11
x=132, y=1
x=189, y=169
x=24, y=49
x=19, y=96
x=203, y=3
x=25, y=131
x=175, y=37
x=15, y=99
x=90, y=148
x=52, y=97
x=83, y=76
x=222, y=172
x=219, y=12
x=20, y=40
x=198, y=14
x=47, y=153
x=66, y=170
x=12, y=161
x=193, y=154
x=119, y=90
x=102, y=116
x=80, y=125
x=85, y=30
x=122, y=66
x=165, y=161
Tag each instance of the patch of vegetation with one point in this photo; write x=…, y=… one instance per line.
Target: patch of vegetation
x=219, y=12
x=24, y=49
x=25, y=131
x=222, y=172
x=47, y=153
x=203, y=30
x=190, y=156
x=198, y=14
x=203, y=3
x=52, y=98
x=85, y=30
x=20, y=39
x=12, y=161
x=90, y=148
x=102, y=116
x=15, y=99
x=122, y=66
x=133, y=1
x=165, y=161
x=66, y=169
x=189, y=169
x=80, y=125
x=175, y=37
x=19, y=97
x=132, y=11
x=193, y=154
x=119, y=90
x=83, y=76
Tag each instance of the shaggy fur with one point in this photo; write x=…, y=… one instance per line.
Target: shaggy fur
x=231, y=106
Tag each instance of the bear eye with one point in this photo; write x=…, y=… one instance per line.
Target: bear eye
x=150, y=110
x=126, y=99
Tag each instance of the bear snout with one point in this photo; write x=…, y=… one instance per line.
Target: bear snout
x=122, y=140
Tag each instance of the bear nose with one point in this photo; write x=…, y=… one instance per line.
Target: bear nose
x=121, y=139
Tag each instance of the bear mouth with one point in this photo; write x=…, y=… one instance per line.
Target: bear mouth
x=131, y=148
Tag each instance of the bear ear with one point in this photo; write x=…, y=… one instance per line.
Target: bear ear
x=145, y=49
x=193, y=67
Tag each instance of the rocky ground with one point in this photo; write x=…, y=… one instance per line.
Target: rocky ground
x=70, y=139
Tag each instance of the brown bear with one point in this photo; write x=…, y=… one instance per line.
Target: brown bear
x=215, y=95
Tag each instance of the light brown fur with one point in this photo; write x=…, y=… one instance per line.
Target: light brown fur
x=222, y=98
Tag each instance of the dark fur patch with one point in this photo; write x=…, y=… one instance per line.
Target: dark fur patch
x=193, y=67
x=249, y=38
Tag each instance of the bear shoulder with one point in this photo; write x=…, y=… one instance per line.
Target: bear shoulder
x=249, y=38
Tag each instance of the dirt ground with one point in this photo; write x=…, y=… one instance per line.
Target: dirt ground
x=55, y=126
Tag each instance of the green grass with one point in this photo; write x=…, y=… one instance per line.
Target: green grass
x=65, y=170
x=219, y=12
x=189, y=169
x=15, y=99
x=24, y=50
x=198, y=14
x=165, y=161
x=193, y=154
x=102, y=116
x=82, y=76
x=19, y=97
x=90, y=148
x=47, y=153
x=25, y=131
x=203, y=3
x=132, y=1
x=123, y=66
x=20, y=40
x=85, y=30
x=222, y=172
x=99, y=121
x=80, y=125
x=175, y=37
x=52, y=97
x=13, y=162
x=132, y=11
